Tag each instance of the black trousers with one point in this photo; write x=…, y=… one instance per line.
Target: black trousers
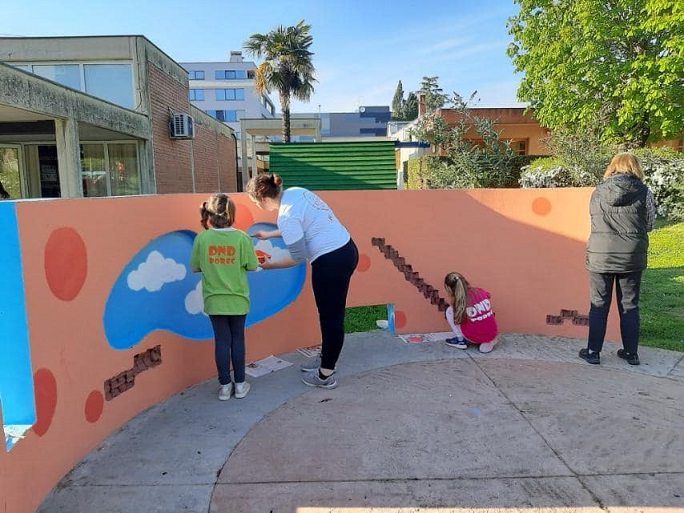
x=627, y=287
x=330, y=277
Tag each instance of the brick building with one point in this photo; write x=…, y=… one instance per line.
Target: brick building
x=104, y=116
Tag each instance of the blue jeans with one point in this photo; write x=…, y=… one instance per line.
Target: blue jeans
x=627, y=287
x=229, y=346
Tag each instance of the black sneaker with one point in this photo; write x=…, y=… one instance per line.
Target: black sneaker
x=594, y=357
x=632, y=358
x=456, y=342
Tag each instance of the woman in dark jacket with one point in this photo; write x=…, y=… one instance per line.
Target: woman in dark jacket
x=622, y=212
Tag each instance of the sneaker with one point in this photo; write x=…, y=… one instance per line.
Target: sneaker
x=312, y=364
x=225, y=392
x=312, y=379
x=632, y=358
x=488, y=347
x=592, y=357
x=456, y=342
x=241, y=389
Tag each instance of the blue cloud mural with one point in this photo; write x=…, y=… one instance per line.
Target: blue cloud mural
x=157, y=290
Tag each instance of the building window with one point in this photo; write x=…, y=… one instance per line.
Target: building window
x=230, y=74
x=111, y=82
x=65, y=74
x=227, y=115
x=196, y=75
x=250, y=74
x=230, y=94
x=110, y=169
x=196, y=95
x=519, y=147
x=235, y=115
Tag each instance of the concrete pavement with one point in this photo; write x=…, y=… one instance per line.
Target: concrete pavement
x=411, y=428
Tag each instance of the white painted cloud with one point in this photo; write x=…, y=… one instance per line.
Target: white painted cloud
x=155, y=272
x=194, y=304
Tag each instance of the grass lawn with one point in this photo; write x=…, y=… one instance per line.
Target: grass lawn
x=662, y=293
x=362, y=318
x=662, y=289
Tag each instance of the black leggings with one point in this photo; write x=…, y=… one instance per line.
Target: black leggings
x=330, y=277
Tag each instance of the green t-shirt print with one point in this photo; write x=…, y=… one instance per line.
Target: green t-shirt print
x=224, y=256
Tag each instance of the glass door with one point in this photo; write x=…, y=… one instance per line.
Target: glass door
x=49, y=171
x=11, y=182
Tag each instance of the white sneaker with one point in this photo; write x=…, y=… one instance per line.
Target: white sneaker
x=225, y=392
x=241, y=389
x=488, y=347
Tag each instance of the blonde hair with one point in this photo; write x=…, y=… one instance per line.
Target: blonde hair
x=219, y=209
x=625, y=163
x=457, y=287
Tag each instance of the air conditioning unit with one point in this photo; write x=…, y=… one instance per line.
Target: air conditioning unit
x=181, y=126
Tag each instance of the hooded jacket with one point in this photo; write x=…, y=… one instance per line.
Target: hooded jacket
x=619, y=228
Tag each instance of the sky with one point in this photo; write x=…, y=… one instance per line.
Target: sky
x=362, y=48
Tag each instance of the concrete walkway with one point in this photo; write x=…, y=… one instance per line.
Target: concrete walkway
x=411, y=428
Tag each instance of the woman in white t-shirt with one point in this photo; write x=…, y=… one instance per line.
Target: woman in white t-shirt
x=311, y=232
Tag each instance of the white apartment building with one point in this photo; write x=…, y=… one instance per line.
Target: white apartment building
x=225, y=91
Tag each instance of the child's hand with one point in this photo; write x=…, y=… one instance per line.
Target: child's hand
x=261, y=234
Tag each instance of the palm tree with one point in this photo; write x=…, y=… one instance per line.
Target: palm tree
x=287, y=65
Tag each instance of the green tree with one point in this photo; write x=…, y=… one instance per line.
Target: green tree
x=411, y=107
x=617, y=64
x=434, y=96
x=287, y=65
x=398, y=103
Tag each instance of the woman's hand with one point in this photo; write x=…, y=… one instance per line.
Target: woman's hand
x=268, y=263
x=265, y=262
x=265, y=234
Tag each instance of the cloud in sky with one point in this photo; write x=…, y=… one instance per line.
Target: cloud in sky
x=194, y=303
x=155, y=272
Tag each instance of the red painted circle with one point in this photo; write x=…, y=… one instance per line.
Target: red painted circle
x=399, y=319
x=364, y=263
x=66, y=263
x=93, y=406
x=45, y=388
x=243, y=217
x=541, y=206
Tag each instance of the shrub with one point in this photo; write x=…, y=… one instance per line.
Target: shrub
x=555, y=172
x=664, y=174
x=464, y=163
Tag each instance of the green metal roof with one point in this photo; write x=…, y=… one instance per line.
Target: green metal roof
x=335, y=165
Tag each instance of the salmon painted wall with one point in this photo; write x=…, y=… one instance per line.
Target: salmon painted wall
x=100, y=318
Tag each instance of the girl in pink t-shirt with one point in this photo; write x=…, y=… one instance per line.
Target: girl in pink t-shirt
x=470, y=314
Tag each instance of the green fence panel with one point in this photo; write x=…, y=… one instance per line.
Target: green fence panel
x=335, y=165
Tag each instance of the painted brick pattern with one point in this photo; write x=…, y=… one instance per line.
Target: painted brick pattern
x=125, y=380
x=413, y=277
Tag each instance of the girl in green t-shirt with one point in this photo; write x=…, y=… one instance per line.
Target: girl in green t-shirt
x=223, y=255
